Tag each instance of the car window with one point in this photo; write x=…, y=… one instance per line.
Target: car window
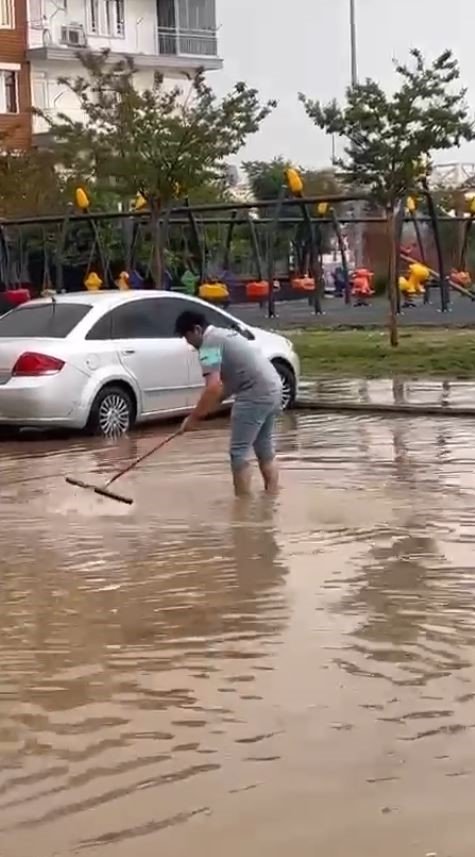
x=149, y=319
x=102, y=329
x=166, y=310
x=217, y=319
x=212, y=315
x=51, y=320
x=134, y=320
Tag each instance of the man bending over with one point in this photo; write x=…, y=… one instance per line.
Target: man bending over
x=232, y=366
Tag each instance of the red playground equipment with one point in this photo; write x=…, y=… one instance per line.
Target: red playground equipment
x=362, y=286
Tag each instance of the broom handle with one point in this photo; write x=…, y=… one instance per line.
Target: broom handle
x=143, y=457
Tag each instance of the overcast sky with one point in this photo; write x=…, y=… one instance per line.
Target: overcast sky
x=286, y=46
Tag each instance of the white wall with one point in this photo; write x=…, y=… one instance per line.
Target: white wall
x=140, y=33
x=45, y=20
x=48, y=94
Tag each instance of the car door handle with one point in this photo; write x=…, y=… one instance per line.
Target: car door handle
x=129, y=351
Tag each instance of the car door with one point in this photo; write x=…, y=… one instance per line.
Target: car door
x=157, y=360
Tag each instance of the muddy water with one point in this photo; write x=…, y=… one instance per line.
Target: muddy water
x=196, y=675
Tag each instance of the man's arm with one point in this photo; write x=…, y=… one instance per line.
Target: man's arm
x=209, y=400
x=210, y=361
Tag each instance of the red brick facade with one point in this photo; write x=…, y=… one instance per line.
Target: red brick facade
x=13, y=44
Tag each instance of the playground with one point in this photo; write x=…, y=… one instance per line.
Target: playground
x=295, y=260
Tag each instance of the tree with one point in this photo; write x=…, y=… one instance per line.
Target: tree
x=388, y=135
x=30, y=185
x=161, y=140
x=266, y=179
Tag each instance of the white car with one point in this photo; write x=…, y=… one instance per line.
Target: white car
x=105, y=361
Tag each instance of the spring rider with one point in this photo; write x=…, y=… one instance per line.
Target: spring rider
x=361, y=286
x=414, y=284
x=461, y=278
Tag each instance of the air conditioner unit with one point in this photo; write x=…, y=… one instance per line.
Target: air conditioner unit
x=73, y=36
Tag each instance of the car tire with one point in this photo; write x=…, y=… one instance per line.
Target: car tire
x=9, y=433
x=112, y=413
x=289, y=386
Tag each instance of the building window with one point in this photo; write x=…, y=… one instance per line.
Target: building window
x=7, y=14
x=115, y=25
x=8, y=91
x=93, y=16
x=197, y=27
x=106, y=18
x=36, y=13
x=197, y=14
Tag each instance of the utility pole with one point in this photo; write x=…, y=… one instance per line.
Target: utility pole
x=354, y=62
x=357, y=207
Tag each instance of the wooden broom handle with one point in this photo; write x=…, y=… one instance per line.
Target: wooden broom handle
x=143, y=457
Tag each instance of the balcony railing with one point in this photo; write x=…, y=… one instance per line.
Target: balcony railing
x=195, y=43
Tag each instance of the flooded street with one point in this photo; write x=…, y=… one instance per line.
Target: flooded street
x=281, y=676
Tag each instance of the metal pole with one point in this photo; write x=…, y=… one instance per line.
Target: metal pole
x=354, y=63
x=358, y=233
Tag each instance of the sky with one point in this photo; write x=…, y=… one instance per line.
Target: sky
x=283, y=47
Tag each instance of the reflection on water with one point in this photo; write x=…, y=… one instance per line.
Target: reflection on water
x=200, y=673
x=396, y=391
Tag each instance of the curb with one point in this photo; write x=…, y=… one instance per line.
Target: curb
x=308, y=404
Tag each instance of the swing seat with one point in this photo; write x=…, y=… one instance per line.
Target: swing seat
x=256, y=290
x=93, y=282
x=123, y=281
x=214, y=292
x=303, y=284
x=15, y=297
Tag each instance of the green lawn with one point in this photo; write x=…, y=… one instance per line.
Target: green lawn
x=367, y=353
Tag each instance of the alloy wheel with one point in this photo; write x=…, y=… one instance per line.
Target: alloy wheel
x=114, y=415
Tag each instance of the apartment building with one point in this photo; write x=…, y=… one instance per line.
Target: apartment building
x=40, y=40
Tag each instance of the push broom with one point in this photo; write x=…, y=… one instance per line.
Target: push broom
x=104, y=491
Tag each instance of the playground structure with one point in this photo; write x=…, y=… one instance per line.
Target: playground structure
x=226, y=253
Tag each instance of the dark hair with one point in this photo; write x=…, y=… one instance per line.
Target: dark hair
x=188, y=320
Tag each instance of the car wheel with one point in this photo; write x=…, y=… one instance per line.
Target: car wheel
x=112, y=412
x=287, y=377
x=9, y=433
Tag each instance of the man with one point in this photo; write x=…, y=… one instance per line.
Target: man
x=231, y=366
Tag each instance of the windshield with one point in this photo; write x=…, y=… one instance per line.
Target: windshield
x=44, y=320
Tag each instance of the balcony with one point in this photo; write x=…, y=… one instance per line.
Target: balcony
x=164, y=48
x=189, y=43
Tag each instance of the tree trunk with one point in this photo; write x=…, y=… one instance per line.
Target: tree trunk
x=392, y=285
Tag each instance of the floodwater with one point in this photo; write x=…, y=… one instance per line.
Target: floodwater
x=196, y=675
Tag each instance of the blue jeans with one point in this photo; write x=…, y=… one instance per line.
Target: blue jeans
x=252, y=427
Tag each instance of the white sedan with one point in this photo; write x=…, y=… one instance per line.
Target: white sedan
x=105, y=361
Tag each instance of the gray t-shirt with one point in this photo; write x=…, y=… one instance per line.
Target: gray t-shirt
x=245, y=372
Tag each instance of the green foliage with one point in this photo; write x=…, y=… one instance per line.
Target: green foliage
x=30, y=185
x=388, y=135
x=266, y=179
x=164, y=141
